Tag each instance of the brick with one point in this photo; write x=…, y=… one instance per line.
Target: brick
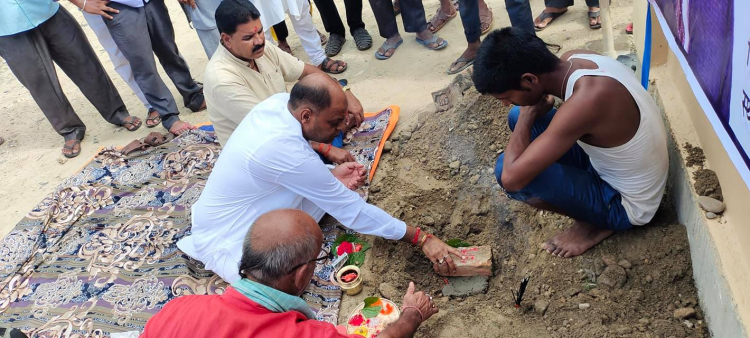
x=478, y=262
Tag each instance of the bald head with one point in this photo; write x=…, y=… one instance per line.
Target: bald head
x=320, y=105
x=277, y=242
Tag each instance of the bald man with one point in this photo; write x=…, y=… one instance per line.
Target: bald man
x=278, y=257
x=268, y=164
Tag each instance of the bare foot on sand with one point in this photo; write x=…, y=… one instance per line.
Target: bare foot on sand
x=179, y=127
x=576, y=240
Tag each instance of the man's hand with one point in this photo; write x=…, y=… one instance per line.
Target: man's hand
x=540, y=109
x=355, y=113
x=190, y=3
x=352, y=174
x=421, y=301
x=97, y=7
x=338, y=156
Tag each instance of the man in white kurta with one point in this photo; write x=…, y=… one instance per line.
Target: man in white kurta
x=266, y=165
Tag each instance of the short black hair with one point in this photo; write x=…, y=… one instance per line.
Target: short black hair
x=232, y=13
x=312, y=94
x=505, y=55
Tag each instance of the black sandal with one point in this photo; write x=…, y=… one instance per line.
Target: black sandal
x=332, y=69
x=131, y=125
x=335, y=42
x=362, y=38
x=594, y=15
x=72, y=147
x=545, y=16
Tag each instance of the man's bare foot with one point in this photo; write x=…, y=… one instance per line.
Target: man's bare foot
x=466, y=59
x=595, y=20
x=426, y=35
x=445, y=13
x=548, y=15
x=576, y=240
x=180, y=127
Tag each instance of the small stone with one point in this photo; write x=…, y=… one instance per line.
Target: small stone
x=711, y=204
x=387, y=146
x=572, y=292
x=541, y=306
x=624, y=264
x=710, y=215
x=532, y=256
x=428, y=220
x=623, y=330
x=474, y=179
x=387, y=290
x=407, y=167
x=609, y=260
x=405, y=135
x=455, y=165
x=644, y=321
x=568, y=36
x=613, y=277
x=62, y=160
x=493, y=147
x=499, y=150
x=649, y=279
x=584, y=306
x=637, y=295
x=684, y=313
x=374, y=189
x=689, y=324
x=547, y=294
x=472, y=126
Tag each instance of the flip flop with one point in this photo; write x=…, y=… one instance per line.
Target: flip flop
x=71, y=148
x=131, y=125
x=489, y=26
x=548, y=15
x=386, y=47
x=594, y=15
x=152, y=121
x=467, y=63
x=432, y=40
x=435, y=18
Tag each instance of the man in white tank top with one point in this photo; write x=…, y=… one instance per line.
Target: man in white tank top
x=601, y=158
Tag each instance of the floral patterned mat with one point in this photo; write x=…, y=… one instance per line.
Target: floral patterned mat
x=99, y=254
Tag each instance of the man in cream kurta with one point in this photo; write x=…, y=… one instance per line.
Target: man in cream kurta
x=232, y=88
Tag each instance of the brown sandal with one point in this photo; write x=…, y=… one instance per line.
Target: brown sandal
x=153, y=121
x=432, y=24
x=131, y=123
x=332, y=69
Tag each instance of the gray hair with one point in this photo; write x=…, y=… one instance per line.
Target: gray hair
x=272, y=262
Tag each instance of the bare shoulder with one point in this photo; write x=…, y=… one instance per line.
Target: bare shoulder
x=569, y=53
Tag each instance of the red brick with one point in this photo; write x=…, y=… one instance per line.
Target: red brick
x=477, y=262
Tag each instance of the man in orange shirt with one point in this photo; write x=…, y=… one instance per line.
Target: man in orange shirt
x=278, y=261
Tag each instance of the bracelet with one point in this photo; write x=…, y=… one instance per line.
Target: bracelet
x=84, y=6
x=424, y=239
x=415, y=240
x=421, y=316
x=328, y=151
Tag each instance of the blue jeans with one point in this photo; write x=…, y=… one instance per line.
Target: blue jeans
x=570, y=184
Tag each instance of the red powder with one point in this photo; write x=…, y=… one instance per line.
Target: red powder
x=356, y=320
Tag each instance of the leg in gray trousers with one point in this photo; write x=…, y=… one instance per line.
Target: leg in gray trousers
x=60, y=39
x=130, y=32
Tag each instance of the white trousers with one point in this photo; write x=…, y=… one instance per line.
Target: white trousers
x=305, y=29
x=121, y=64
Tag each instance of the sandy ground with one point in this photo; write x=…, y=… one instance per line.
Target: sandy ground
x=31, y=164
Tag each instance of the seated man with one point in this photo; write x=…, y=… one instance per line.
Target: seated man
x=601, y=158
x=278, y=261
x=245, y=71
x=268, y=164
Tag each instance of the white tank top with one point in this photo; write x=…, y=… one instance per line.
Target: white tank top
x=638, y=168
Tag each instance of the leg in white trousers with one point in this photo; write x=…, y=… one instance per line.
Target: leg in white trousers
x=308, y=35
x=121, y=64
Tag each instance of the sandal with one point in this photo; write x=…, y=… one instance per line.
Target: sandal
x=332, y=69
x=433, y=27
x=545, y=16
x=483, y=21
x=467, y=63
x=72, y=147
x=432, y=40
x=131, y=123
x=152, y=121
x=335, y=42
x=323, y=38
x=595, y=15
x=386, y=47
x=362, y=39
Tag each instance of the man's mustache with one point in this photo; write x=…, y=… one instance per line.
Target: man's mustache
x=258, y=47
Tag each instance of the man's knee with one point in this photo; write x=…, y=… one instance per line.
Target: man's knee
x=499, y=169
x=513, y=115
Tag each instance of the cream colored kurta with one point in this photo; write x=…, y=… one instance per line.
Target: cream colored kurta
x=232, y=88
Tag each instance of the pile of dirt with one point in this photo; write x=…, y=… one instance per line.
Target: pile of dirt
x=439, y=176
x=706, y=183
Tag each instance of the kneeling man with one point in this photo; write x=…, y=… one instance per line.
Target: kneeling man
x=269, y=164
x=601, y=158
x=245, y=70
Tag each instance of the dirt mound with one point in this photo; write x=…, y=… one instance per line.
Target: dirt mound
x=439, y=176
x=706, y=181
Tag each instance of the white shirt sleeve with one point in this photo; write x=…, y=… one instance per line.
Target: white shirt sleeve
x=313, y=181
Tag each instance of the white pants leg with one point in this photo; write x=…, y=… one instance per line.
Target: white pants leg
x=209, y=39
x=121, y=64
x=308, y=35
